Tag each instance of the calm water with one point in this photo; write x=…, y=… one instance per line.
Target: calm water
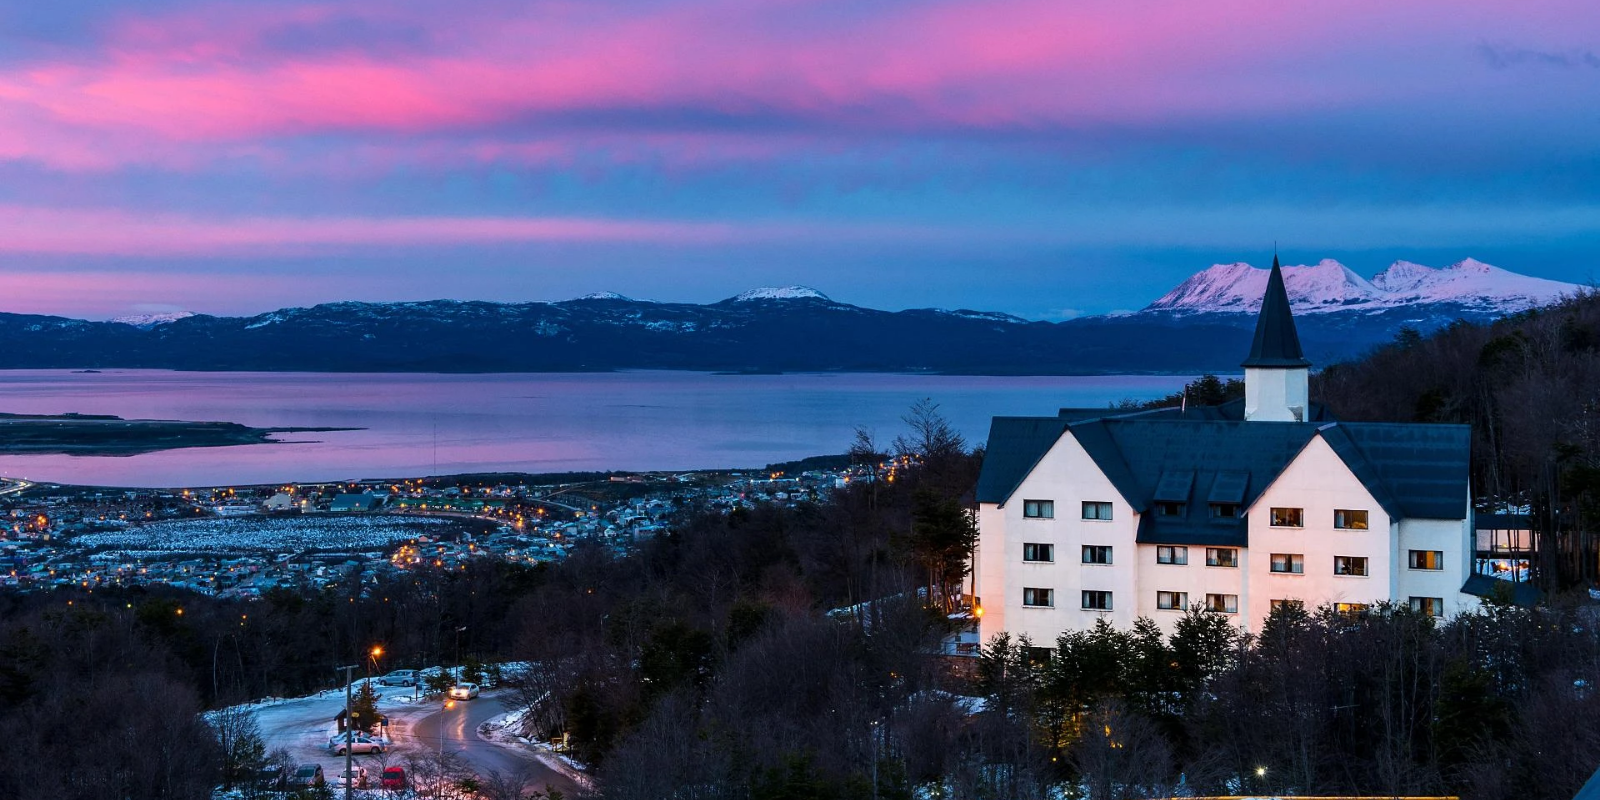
x=444, y=424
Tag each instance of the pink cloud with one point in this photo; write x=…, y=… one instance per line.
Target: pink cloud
x=207, y=82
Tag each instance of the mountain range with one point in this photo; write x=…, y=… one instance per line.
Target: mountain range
x=1204, y=324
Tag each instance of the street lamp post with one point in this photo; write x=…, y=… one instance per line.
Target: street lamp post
x=458, y=652
x=349, y=730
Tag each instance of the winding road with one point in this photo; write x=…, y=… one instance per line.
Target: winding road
x=302, y=727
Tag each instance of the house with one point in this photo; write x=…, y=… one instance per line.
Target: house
x=1099, y=513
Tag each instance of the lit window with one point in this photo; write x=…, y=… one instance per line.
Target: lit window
x=1039, y=598
x=1427, y=559
x=1350, y=565
x=1039, y=509
x=1224, y=603
x=1096, y=510
x=1288, y=517
x=1431, y=606
x=1292, y=563
x=1096, y=554
x=1172, y=601
x=1172, y=554
x=1222, y=557
x=1350, y=608
x=1350, y=519
x=1285, y=604
x=1225, y=510
x=1038, y=552
x=1096, y=601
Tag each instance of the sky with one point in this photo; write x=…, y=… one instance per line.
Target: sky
x=1046, y=158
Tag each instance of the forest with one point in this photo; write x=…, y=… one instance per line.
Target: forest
x=778, y=653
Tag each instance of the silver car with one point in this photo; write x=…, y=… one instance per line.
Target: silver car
x=400, y=677
x=359, y=743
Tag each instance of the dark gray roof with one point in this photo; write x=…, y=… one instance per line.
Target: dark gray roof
x=1231, y=410
x=1522, y=594
x=1503, y=522
x=1276, y=343
x=1015, y=445
x=1590, y=789
x=1413, y=471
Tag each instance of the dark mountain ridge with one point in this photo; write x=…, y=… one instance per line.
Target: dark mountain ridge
x=766, y=330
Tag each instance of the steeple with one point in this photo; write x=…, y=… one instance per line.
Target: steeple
x=1276, y=373
x=1276, y=343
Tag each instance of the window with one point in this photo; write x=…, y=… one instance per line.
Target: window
x=1096, y=601
x=1039, y=509
x=1292, y=563
x=1427, y=559
x=1225, y=603
x=1222, y=557
x=1040, y=655
x=1171, y=554
x=1097, y=554
x=1038, y=552
x=1096, y=510
x=1432, y=606
x=1169, y=509
x=1039, y=598
x=1172, y=601
x=1288, y=517
x=1277, y=604
x=1225, y=510
x=1350, y=608
x=1350, y=519
x=1349, y=565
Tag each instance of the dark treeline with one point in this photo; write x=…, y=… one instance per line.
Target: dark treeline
x=1489, y=705
x=1529, y=385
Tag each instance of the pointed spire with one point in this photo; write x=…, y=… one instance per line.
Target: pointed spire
x=1276, y=344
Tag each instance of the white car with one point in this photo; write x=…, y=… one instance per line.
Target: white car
x=400, y=677
x=359, y=743
x=464, y=691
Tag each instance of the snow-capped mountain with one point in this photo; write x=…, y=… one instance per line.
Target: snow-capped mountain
x=781, y=293
x=1329, y=286
x=147, y=321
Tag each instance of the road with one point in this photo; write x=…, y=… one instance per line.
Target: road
x=302, y=727
x=456, y=726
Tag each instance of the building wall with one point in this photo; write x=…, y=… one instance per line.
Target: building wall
x=1452, y=538
x=1318, y=482
x=1276, y=394
x=1195, y=579
x=1068, y=477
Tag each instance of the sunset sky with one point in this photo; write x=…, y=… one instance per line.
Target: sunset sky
x=1042, y=157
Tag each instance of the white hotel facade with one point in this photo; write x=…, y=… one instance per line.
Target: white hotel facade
x=1095, y=514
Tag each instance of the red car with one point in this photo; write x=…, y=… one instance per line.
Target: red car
x=393, y=778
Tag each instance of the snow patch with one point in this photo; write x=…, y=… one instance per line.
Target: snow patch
x=781, y=293
x=148, y=321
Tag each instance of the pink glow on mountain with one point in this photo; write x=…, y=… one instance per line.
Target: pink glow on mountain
x=1331, y=286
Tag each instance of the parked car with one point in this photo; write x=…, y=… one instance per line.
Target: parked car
x=353, y=778
x=464, y=691
x=359, y=743
x=272, y=779
x=400, y=677
x=392, y=778
x=309, y=776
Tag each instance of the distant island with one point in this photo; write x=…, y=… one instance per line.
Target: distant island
x=105, y=435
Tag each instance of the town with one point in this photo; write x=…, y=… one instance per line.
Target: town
x=242, y=541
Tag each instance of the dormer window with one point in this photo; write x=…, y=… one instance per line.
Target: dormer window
x=1225, y=510
x=1169, y=509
